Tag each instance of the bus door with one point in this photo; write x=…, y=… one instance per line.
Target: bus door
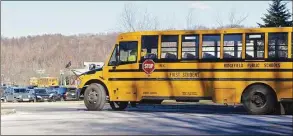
x=121, y=77
x=254, y=46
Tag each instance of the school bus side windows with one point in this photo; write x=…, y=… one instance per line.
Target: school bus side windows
x=189, y=47
x=149, y=47
x=211, y=46
x=127, y=52
x=169, y=47
x=232, y=46
x=254, y=46
x=278, y=45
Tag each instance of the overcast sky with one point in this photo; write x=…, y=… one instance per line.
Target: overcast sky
x=22, y=18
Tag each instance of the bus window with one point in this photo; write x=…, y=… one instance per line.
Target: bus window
x=169, y=47
x=149, y=47
x=254, y=46
x=128, y=52
x=211, y=46
x=189, y=47
x=278, y=45
x=232, y=45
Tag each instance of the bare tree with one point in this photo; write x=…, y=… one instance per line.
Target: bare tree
x=133, y=20
x=189, y=21
x=128, y=17
x=234, y=22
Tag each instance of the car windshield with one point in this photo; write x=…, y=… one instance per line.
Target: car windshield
x=71, y=90
x=20, y=91
x=40, y=91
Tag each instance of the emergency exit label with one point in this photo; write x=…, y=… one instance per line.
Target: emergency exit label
x=148, y=66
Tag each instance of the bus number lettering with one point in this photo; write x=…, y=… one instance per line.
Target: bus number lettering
x=153, y=93
x=190, y=74
x=275, y=65
x=189, y=93
x=233, y=65
x=253, y=65
x=174, y=74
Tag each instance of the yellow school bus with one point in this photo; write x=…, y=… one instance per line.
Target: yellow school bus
x=48, y=81
x=245, y=66
x=33, y=81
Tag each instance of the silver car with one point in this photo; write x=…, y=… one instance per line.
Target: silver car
x=18, y=94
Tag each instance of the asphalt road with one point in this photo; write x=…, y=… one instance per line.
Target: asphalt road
x=72, y=118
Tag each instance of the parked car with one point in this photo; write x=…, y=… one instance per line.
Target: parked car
x=67, y=93
x=2, y=91
x=42, y=94
x=32, y=93
x=18, y=94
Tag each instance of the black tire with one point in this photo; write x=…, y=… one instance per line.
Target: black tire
x=118, y=106
x=259, y=100
x=95, y=97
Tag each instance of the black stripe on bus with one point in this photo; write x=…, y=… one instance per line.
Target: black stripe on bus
x=205, y=70
x=200, y=79
x=219, y=60
x=174, y=98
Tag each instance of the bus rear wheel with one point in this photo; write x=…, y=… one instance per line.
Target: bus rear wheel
x=259, y=100
x=95, y=97
x=118, y=106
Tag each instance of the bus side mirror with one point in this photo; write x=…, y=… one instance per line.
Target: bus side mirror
x=92, y=67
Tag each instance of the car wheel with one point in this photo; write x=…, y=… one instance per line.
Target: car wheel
x=259, y=99
x=95, y=97
x=118, y=105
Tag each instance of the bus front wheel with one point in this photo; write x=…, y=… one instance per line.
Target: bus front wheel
x=95, y=97
x=118, y=105
x=259, y=99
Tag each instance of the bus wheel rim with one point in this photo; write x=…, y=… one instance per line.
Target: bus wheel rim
x=93, y=96
x=258, y=99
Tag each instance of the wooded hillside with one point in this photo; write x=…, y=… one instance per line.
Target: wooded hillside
x=22, y=57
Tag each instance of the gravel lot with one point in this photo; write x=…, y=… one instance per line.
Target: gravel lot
x=72, y=118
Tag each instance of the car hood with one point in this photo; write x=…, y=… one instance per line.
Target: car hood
x=22, y=94
x=92, y=71
x=42, y=94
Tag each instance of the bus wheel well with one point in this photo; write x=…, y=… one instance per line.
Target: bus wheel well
x=269, y=87
x=94, y=81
